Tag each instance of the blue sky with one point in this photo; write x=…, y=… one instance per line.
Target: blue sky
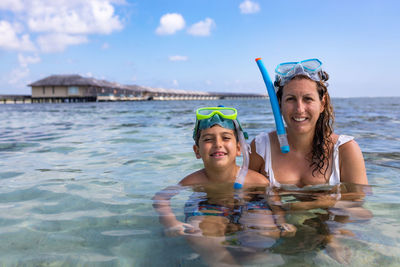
x=202, y=45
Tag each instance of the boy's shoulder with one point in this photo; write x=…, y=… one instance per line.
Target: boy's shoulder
x=254, y=177
x=198, y=177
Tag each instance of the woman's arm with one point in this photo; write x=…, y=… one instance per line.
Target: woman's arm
x=352, y=166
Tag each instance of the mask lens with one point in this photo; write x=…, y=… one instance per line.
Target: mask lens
x=227, y=112
x=285, y=68
x=311, y=64
x=205, y=112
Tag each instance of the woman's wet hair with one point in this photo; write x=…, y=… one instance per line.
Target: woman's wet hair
x=322, y=144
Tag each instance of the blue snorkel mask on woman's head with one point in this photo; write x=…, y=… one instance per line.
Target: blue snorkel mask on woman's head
x=288, y=70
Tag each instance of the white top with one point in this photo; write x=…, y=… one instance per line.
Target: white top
x=263, y=148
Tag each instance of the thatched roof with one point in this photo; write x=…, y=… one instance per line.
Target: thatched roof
x=63, y=80
x=76, y=80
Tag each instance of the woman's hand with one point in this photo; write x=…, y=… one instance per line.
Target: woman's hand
x=325, y=201
x=287, y=229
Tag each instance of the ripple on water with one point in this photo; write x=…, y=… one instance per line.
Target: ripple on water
x=16, y=146
x=6, y=175
x=128, y=140
x=125, y=232
x=60, y=170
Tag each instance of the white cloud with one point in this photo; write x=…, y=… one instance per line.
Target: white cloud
x=9, y=39
x=178, y=58
x=64, y=20
x=175, y=83
x=12, y=5
x=202, y=28
x=73, y=17
x=24, y=61
x=170, y=23
x=57, y=42
x=249, y=7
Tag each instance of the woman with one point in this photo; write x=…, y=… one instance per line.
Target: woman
x=317, y=155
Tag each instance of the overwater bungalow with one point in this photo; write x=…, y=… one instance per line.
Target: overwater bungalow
x=75, y=88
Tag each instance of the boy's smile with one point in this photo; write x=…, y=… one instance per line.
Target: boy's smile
x=218, y=154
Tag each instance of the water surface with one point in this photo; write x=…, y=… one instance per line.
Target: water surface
x=76, y=181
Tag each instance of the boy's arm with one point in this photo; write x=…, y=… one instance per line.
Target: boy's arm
x=161, y=203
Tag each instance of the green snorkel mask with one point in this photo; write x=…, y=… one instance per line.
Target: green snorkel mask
x=226, y=118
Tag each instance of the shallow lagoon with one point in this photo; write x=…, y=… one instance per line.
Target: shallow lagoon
x=76, y=181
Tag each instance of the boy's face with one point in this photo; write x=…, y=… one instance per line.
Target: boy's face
x=217, y=147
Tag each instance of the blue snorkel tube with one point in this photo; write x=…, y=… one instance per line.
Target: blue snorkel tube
x=240, y=177
x=280, y=128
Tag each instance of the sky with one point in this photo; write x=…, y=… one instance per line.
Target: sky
x=200, y=45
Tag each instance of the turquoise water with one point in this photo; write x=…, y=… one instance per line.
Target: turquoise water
x=76, y=181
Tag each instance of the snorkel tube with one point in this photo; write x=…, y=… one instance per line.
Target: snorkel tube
x=280, y=128
x=245, y=152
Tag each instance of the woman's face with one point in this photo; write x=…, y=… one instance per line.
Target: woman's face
x=301, y=105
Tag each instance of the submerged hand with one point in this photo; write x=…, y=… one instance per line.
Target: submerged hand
x=179, y=229
x=287, y=229
x=326, y=201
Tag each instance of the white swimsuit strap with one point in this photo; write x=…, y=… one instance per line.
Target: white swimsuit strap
x=263, y=148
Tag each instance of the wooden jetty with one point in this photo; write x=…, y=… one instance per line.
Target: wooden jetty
x=15, y=99
x=75, y=88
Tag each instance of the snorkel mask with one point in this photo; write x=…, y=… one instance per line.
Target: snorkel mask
x=226, y=118
x=310, y=68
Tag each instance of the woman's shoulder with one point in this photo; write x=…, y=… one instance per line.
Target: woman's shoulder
x=349, y=148
x=263, y=139
x=254, y=177
x=351, y=162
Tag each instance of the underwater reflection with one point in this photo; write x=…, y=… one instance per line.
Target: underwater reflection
x=261, y=224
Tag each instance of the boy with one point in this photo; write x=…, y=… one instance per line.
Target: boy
x=217, y=133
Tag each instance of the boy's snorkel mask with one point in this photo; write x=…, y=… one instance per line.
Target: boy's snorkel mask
x=309, y=67
x=226, y=118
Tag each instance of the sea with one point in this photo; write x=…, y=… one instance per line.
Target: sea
x=77, y=182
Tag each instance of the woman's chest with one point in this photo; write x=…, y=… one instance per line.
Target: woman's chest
x=299, y=171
